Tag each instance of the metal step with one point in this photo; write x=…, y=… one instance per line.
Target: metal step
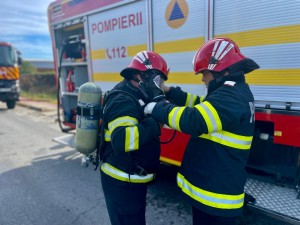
x=274, y=200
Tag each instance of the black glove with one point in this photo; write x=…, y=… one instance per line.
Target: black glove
x=155, y=89
x=151, y=86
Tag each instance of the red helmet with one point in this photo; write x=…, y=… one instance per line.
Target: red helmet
x=146, y=60
x=217, y=55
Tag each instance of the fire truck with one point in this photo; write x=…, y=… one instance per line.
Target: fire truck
x=94, y=40
x=10, y=59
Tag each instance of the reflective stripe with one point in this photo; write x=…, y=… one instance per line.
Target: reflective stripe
x=202, y=98
x=131, y=139
x=215, y=200
x=210, y=116
x=229, y=139
x=107, y=135
x=174, y=117
x=120, y=175
x=190, y=100
x=122, y=121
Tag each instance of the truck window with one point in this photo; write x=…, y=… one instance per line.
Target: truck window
x=7, y=56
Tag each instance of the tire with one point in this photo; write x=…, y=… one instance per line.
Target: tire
x=11, y=104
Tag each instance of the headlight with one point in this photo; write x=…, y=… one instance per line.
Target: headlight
x=15, y=86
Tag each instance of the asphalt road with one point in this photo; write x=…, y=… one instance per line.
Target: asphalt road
x=42, y=182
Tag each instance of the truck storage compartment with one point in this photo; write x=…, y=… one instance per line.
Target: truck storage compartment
x=275, y=161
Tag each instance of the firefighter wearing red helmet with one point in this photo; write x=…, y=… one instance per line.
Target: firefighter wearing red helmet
x=221, y=124
x=130, y=150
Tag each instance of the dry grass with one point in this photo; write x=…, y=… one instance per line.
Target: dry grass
x=39, y=87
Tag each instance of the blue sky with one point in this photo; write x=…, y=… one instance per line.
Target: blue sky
x=24, y=24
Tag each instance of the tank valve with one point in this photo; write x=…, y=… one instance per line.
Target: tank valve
x=85, y=161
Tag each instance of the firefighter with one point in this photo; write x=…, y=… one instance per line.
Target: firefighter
x=131, y=148
x=221, y=124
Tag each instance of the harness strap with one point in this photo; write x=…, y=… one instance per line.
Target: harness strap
x=85, y=111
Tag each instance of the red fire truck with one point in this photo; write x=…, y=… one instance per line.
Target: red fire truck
x=94, y=40
x=10, y=59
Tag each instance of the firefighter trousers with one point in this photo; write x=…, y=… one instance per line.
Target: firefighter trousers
x=125, y=201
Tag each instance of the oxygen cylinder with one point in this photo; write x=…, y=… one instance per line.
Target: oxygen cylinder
x=88, y=118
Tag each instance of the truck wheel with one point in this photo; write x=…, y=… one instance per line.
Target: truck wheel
x=11, y=104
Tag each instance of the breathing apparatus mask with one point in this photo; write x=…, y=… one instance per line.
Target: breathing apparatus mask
x=151, y=85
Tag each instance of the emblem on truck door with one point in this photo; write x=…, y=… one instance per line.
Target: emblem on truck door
x=176, y=13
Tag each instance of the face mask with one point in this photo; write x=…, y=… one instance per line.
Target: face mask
x=152, y=84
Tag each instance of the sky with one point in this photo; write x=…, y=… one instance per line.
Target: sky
x=24, y=24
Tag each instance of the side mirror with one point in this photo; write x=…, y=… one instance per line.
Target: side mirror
x=20, y=61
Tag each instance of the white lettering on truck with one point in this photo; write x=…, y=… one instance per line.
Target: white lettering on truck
x=121, y=22
x=3, y=72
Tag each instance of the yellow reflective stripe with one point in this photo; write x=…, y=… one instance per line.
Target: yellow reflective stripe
x=174, y=117
x=131, y=139
x=215, y=200
x=122, y=121
x=190, y=100
x=202, y=98
x=120, y=175
x=210, y=116
x=229, y=139
x=107, y=135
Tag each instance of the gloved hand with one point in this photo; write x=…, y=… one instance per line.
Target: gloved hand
x=149, y=108
x=152, y=86
x=156, y=90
